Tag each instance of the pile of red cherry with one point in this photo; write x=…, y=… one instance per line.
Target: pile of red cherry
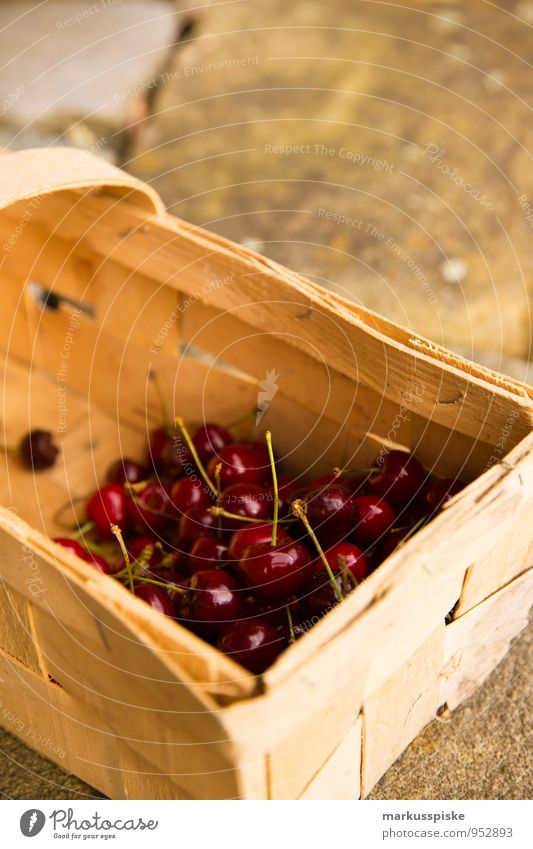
x=206, y=532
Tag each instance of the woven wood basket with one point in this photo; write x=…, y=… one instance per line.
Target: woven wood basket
x=131, y=702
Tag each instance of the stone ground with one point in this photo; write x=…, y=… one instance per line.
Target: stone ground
x=381, y=149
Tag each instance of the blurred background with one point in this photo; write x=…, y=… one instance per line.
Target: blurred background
x=380, y=148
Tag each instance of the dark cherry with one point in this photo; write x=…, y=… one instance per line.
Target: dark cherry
x=439, y=492
x=240, y=463
x=37, y=450
x=273, y=572
x=376, y=517
x=190, y=492
x=209, y=439
x=252, y=534
x=332, y=513
x=324, y=480
x=194, y=523
x=125, y=470
x=392, y=540
x=399, y=480
x=168, y=454
x=320, y=595
x=344, y=555
x=138, y=545
x=108, y=506
x=355, y=482
x=273, y=612
x=156, y=597
x=253, y=643
x=215, y=600
x=151, y=509
x=247, y=500
x=206, y=552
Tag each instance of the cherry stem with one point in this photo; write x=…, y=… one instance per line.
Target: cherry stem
x=161, y=398
x=152, y=582
x=414, y=529
x=190, y=445
x=115, y=530
x=291, y=626
x=58, y=515
x=84, y=529
x=219, y=511
x=297, y=508
x=268, y=437
x=218, y=469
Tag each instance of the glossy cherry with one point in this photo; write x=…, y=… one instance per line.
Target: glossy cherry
x=190, y=492
x=168, y=454
x=137, y=548
x=400, y=479
x=209, y=439
x=108, y=506
x=376, y=517
x=253, y=643
x=273, y=572
x=125, y=470
x=332, y=513
x=253, y=534
x=344, y=555
x=287, y=488
x=215, y=600
x=240, y=463
x=37, y=450
x=247, y=500
x=151, y=509
x=206, y=552
x=320, y=595
x=156, y=597
x=71, y=545
x=194, y=523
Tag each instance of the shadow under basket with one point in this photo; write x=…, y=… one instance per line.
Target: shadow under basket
x=99, y=286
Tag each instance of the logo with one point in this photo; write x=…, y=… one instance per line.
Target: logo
x=32, y=822
x=268, y=389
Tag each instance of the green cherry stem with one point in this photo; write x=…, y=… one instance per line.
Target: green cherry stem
x=299, y=511
x=194, y=453
x=291, y=626
x=118, y=533
x=83, y=529
x=268, y=437
x=218, y=469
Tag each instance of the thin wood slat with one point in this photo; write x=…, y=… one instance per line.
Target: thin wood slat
x=145, y=708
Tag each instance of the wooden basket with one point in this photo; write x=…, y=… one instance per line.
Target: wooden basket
x=131, y=702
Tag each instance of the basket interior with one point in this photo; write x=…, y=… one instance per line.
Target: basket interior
x=81, y=365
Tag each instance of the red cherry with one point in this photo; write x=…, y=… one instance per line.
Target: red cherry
x=376, y=517
x=71, y=545
x=108, y=506
x=345, y=555
x=439, y=492
x=272, y=572
x=151, y=509
x=210, y=439
x=253, y=643
x=400, y=479
x=168, y=454
x=325, y=480
x=239, y=464
x=332, y=513
x=215, y=600
x=125, y=470
x=320, y=594
x=207, y=552
x=98, y=562
x=194, y=523
x=138, y=545
x=156, y=597
x=190, y=492
x=246, y=500
x=253, y=534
